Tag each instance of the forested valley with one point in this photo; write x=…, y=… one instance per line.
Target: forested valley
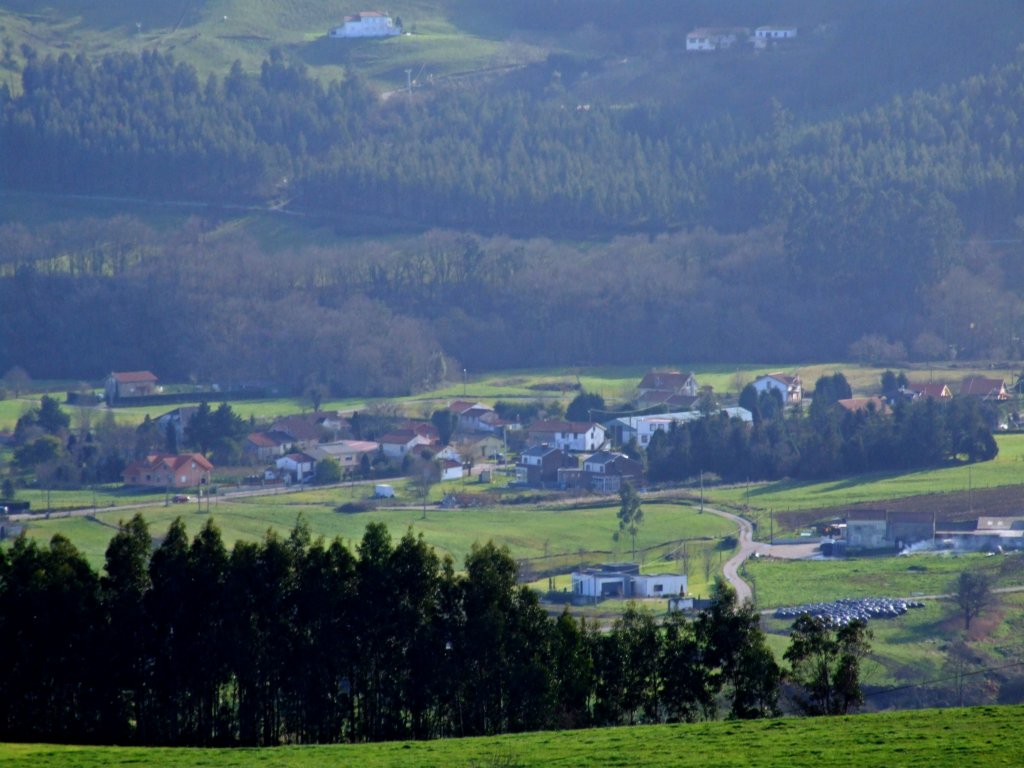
x=515, y=227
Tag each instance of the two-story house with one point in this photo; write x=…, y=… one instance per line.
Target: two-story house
x=577, y=436
x=538, y=465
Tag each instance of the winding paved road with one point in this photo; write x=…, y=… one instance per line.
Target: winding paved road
x=748, y=547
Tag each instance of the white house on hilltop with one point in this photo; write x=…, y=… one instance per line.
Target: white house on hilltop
x=772, y=35
x=367, y=24
x=714, y=38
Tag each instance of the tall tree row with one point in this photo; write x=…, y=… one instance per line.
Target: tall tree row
x=289, y=640
x=829, y=442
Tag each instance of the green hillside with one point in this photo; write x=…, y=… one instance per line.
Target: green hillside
x=211, y=34
x=987, y=736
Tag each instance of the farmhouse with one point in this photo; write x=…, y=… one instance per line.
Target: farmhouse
x=348, y=453
x=396, y=445
x=568, y=435
x=298, y=466
x=367, y=24
x=642, y=428
x=789, y=387
x=475, y=417
x=451, y=469
x=877, y=529
x=164, y=470
x=773, y=35
x=934, y=390
x=130, y=384
x=623, y=580
x=605, y=472
x=539, y=465
x=303, y=430
x=671, y=388
x=714, y=38
x=265, y=446
x=984, y=388
x=481, y=447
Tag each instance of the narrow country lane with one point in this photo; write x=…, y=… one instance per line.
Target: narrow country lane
x=747, y=547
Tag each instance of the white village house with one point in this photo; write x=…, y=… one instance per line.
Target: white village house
x=714, y=38
x=367, y=24
x=567, y=435
x=298, y=466
x=623, y=580
x=789, y=387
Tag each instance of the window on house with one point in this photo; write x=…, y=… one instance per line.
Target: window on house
x=658, y=588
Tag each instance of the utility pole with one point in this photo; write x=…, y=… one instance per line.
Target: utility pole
x=408, y=84
x=702, y=491
x=970, y=491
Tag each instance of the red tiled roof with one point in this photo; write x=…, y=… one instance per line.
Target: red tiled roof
x=854, y=404
x=785, y=378
x=982, y=386
x=262, y=440
x=399, y=437
x=299, y=426
x=672, y=380
x=938, y=390
x=170, y=461
x=132, y=377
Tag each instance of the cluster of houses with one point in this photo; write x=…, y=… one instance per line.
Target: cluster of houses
x=981, y=387
x=555, y=454
x=724, y=38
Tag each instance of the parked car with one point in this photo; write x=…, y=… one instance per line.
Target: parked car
x=180, y=498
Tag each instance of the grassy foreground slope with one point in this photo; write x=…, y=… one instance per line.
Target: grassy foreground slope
x=985, y=736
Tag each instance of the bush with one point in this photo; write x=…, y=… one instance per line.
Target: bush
x=353, y=507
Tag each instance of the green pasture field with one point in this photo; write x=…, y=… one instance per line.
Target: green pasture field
x=794, y=582
x=576, y=534
x=1006, y=469
x=212, y=35
x=12, y=409
x=907, y=650
x=982, y=736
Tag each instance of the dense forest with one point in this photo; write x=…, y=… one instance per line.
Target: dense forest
x=519, y=162
x=296, y=641
x=886, y=232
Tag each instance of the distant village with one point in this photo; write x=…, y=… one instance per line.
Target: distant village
x=468, y=440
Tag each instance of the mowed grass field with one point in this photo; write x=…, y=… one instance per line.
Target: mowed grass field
x=529, y=532
x=1006, y=469
x=794, y=582
x=983, y=736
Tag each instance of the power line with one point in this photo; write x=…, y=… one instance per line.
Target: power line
x=909, y=686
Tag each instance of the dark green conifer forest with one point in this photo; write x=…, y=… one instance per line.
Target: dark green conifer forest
x=837, y=211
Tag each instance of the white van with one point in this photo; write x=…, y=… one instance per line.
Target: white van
x=383, y=491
